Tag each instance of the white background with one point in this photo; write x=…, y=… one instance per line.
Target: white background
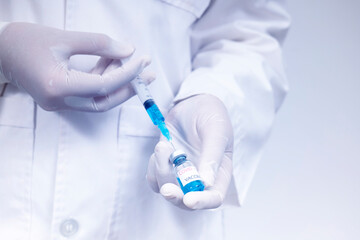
x=308, y=183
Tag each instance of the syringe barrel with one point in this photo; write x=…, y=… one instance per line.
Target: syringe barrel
x=141, y=89
x=151, y=108
x=154, y=112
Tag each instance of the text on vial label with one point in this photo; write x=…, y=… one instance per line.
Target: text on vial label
x=188, y=174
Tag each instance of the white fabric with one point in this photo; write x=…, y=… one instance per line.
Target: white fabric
x=91, y=167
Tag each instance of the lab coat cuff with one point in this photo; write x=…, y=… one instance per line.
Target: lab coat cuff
x=2, y=77
x=3, y=25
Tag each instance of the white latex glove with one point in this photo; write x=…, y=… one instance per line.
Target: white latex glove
x=36, y=58
x=200, y=126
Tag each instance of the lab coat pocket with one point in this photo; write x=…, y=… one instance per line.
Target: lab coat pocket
x=16, y=145
x=135, y=122
x=195, y=7
x=17, y=110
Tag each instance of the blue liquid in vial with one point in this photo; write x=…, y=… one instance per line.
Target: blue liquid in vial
x=182, y=165
x=193, y=186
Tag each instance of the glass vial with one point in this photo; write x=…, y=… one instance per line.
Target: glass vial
x=186, y=173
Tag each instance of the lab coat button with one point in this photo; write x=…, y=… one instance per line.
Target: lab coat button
x=69, y=227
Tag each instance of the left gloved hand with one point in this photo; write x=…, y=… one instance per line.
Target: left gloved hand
x=36, y=58
x=200, y=126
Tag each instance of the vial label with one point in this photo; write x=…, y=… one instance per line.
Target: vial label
x=188, y=174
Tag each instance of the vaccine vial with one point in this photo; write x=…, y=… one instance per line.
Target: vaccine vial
x=186, y=173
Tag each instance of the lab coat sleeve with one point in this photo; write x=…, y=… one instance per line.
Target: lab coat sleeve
x=236, y=47
x=2, y=77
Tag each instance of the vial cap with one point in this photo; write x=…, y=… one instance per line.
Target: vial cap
x=176, y=154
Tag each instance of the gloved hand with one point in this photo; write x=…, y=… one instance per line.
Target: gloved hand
x=200, y=126
x=36, y=57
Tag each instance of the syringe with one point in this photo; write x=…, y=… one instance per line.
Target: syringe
x=151, y=108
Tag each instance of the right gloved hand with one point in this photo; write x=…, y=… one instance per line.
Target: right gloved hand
x=199, y=125
x=36, y=57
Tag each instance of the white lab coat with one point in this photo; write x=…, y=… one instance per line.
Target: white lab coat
x=82, y=175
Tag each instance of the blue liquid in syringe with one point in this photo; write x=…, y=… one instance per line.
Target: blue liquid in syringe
x=156, y=117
